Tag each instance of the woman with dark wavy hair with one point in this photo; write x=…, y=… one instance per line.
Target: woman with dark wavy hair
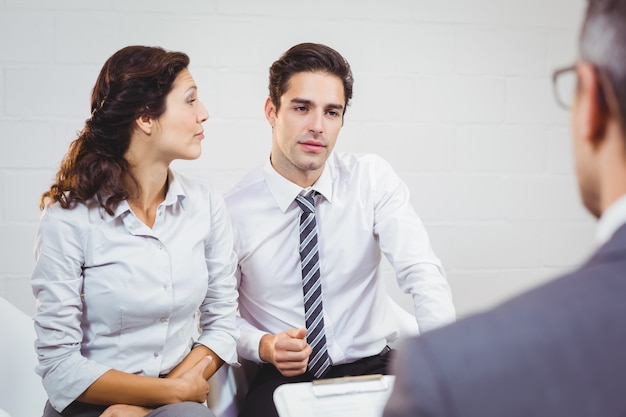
x=131, y=254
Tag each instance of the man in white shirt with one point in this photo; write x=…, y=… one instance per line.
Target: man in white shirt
x=357, y=210
x=558, y=350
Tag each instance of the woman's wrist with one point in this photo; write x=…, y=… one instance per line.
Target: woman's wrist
x=176, y=390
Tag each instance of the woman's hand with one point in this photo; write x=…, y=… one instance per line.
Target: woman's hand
x=197, y=354
x=116, y=387
x=194, y=387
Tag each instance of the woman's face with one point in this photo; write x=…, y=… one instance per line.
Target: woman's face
x=179, y=132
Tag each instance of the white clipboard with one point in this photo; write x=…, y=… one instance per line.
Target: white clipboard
x=362, y=396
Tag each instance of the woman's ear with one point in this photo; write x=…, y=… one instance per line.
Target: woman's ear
x=592, y=113
x=145, y=124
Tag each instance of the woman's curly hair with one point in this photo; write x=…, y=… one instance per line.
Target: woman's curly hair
x=133, y=82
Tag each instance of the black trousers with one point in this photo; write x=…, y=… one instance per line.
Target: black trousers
x=259, y=400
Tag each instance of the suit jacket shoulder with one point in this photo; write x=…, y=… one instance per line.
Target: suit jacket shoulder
x=554, y=351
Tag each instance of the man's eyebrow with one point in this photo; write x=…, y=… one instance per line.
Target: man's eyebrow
x=335, y=106
x=309, y=102
x=301, y=101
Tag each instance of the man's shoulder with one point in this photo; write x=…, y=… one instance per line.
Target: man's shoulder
x=614, y=249
x=564, y=333
x=540, y=315
x=351, y=159
x=249, y=182
x=343, y=164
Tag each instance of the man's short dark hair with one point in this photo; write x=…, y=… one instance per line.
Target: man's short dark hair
x=309, y=57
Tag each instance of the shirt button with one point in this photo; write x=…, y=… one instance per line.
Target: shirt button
x=163, y=320
x=156, y=354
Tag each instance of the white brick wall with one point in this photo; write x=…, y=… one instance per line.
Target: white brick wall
x=455, y=94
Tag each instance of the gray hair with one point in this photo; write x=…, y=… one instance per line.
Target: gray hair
x=603, y=44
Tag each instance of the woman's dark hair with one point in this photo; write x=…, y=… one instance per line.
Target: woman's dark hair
x=308, y=57
x=133, y=82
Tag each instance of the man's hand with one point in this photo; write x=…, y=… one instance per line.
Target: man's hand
x=287, y=351
x=124, y=410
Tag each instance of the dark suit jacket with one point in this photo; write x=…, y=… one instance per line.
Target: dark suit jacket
x=556, y=351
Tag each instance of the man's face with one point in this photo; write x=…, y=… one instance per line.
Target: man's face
x=582, y=142
x=306, y=126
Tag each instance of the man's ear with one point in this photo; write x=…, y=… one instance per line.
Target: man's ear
x=592, y=113
x=270, y=111
x=145, y=124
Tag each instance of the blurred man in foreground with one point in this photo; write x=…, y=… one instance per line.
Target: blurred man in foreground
x=558, y=350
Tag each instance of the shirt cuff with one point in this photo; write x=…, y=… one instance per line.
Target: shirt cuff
x=248, y=345
x=68, y=381
x=223, y=344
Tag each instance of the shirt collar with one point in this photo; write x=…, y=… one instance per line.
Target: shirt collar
x=612, y=219
x=285, y=191
x=175, y=194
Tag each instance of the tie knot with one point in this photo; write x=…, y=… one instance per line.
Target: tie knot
x=307, y=202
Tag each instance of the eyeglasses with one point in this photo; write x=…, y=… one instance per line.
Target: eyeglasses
x=564, y=85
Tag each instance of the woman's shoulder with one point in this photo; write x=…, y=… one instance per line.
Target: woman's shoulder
x=76, y=216
x=195, y=189
x=73, y=210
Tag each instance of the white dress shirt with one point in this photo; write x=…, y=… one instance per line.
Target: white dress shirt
x=611, y=220
x=113, y=293
x=363, y=210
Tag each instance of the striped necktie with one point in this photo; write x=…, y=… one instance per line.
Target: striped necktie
x=319, y=362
